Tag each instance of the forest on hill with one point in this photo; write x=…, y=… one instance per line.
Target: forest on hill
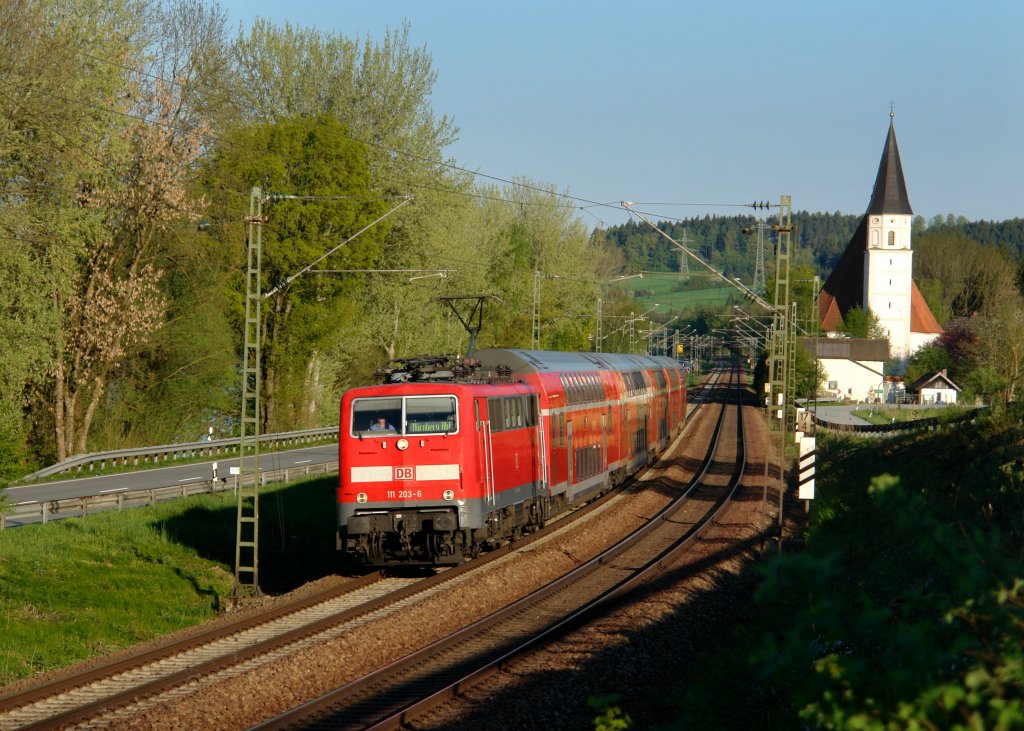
x=729, y=243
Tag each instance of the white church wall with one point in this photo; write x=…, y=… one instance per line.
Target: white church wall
x=887, y=282
x=919, y=340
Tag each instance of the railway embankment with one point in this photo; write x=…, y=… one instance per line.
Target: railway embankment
x=904, y=606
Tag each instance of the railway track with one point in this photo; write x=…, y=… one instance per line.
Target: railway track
x=395, y=695
x=110, y=694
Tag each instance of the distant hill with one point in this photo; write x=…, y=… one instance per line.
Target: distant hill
x=720, y=240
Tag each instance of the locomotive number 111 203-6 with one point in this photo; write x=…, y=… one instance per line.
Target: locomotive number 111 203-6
x=404, y=494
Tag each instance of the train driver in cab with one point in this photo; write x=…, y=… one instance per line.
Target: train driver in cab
x=381, y=424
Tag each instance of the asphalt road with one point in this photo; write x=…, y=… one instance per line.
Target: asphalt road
x=841, y=414
x=169, y=476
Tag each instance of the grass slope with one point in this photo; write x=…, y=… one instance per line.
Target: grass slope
x=668, y=291
x=77, y=588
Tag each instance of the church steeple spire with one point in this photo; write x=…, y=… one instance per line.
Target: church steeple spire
x=890, y=192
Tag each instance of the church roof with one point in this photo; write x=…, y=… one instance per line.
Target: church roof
x=890, y=192
x=844, y=290
x=921, y=318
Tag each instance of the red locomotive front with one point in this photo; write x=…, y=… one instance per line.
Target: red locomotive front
x=423, y=464
x=402, y=459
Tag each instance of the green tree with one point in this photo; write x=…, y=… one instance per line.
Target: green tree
x=380, y=92
x=98, y=152
x=530, y=229
x=810, y=374
x=1000, y=354
x=323, y=179
x=860, y=323
x=956, y=273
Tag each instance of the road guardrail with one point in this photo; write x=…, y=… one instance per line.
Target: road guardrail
x=171, y=452
x=46, y=510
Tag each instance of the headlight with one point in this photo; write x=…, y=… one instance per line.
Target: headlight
x=361, y=497
x=402, y=444
x=448, y=494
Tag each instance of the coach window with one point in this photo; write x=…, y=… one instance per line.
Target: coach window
x=496, y=414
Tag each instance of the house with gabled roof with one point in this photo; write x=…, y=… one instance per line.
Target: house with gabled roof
x=934, y=388
x=874, y=273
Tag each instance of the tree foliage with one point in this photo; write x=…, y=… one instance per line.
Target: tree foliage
x=99, y=154
x=920, y=626
x=861, y=323
x=317, y=180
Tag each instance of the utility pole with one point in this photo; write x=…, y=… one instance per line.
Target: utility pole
x=779, y=358
x=535, y=338
x=759, y=262
x=247, y=578
x=247, y=529
x=684, y=260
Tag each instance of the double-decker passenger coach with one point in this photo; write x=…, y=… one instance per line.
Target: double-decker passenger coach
x=447, y=458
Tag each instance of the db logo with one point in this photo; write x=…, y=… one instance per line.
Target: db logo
x=403, y=473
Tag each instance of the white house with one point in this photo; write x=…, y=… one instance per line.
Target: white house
x=853, y=366
x=935, y=388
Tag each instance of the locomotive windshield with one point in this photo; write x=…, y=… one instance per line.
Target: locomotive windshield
x=405, y=415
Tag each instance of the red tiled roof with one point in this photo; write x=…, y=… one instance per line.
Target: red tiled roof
x=921, y=318
x=844, y=288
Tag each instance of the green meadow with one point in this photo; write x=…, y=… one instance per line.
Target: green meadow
x=675, y=292
x=77, y=588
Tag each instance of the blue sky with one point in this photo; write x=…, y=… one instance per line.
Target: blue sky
x=697, y=104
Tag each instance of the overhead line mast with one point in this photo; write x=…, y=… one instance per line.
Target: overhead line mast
x=247, y=533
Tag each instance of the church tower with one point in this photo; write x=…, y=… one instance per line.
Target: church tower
x=889, y=258
x=875, y=270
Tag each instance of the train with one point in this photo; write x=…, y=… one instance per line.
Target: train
x=446, y=457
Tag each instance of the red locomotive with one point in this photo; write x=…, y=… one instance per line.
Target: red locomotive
x=448, y=458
